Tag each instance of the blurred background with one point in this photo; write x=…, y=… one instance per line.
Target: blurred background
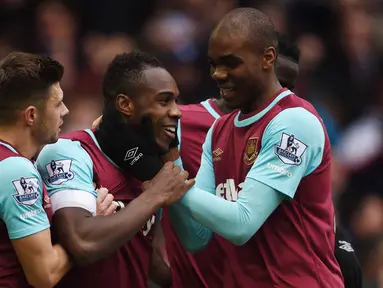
x=341, y=44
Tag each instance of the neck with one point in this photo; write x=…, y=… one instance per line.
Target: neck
x=221, y=106
x=265, y=96
x=20, y=139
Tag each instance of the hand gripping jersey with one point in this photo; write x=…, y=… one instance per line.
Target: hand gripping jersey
x=285, y=146
x=25, y=209
x=204, y=268
x=74, y=163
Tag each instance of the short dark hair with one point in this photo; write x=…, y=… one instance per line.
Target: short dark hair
x=288, y=48
x=125, y=72
x=258, y=26
x=24, y=80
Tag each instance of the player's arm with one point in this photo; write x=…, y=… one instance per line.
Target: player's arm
x=192, y=235
x=85, y=236
x=269, y=181
x=44, y=264
x=159, y=270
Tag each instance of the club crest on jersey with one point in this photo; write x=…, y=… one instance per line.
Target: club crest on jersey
x=27, y=190
x=59, y=171
x=290, y=150
x=251, y=151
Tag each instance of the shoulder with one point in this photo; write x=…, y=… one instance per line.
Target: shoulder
x=16, y=166
x=297, y=120
x=66, y=148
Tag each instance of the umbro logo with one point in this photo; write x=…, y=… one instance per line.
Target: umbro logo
x=217, y=153
x=346, y=246
x=130, y=154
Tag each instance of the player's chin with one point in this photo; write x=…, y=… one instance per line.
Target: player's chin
x=54, y=138
x=163, y=145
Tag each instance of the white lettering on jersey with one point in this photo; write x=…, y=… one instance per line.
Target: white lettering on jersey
x=346, y=246
x=228, y=190
x=279, y=169
x=146, y=228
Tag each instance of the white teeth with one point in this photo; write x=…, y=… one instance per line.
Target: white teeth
x=171, y=129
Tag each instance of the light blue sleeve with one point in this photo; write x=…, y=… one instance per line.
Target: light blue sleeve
x=235, y=221
x=65, y=165
x=292, y=148
x=21, y=198
x=276, y=173
x=192, y=235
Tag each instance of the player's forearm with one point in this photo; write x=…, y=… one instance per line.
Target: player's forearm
x=97, y=237
x=192, y=235
x=235, y=221
x=51, y=268
x=60, y=265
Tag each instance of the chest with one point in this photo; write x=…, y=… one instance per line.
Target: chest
x=234, y=152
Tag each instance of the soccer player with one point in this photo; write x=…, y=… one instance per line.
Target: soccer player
x=204, y=268
x=140, y=97
x=271, y=160
x=31, y=113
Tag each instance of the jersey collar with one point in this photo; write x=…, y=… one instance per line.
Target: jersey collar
x=250, y=118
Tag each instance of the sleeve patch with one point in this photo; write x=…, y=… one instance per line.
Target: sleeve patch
x=290, y=149
x=59, y=171
x=27, y=191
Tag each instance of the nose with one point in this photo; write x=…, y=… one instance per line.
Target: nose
x=219, y=74
x=65, y=110
x=174, y=112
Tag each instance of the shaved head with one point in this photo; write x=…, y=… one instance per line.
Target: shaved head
x=251, y=23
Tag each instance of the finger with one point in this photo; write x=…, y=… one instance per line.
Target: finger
x=184, y=175
x=111, y=209
x=96, y=122
x=101, y=194
x=177, y=170
x=189, y=183
x=168, y=165
x=94, y=185
x=108, y=200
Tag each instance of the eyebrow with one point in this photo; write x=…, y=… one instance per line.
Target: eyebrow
x=166, y=93
x=227, y=56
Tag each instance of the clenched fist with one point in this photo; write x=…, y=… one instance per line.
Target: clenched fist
x=169, y=184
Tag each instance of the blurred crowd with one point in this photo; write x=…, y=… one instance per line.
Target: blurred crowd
x=341, y=73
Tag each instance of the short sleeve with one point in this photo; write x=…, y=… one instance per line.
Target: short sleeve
x=292, y=148
x=65, y=165
x=21, y=198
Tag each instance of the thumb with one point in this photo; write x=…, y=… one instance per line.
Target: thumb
x=189, y=183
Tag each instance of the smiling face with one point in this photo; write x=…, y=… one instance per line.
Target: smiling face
x=239, y=68
x=157, y=98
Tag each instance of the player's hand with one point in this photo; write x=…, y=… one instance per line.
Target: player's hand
x=96, y=122
x=105, y=204
x=133, y=150
x=169, y=184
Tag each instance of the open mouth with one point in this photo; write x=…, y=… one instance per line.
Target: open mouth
x=171, y=132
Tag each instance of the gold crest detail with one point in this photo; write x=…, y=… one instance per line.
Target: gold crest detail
x=251, y=152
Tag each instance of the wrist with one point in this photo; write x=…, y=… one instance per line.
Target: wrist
x=152, y=199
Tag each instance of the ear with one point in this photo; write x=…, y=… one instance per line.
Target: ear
x=30, y=115
x=269, y=57
x=125, y=105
